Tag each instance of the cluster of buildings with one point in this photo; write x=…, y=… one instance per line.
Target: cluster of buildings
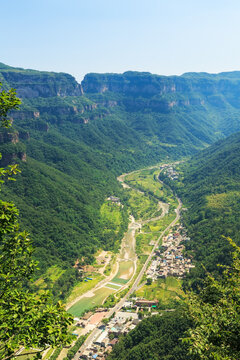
x=169, y=259
x=123, y=321
x=169, y=171
x=107, y=335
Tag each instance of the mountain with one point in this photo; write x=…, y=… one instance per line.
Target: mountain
x=209, y=185
x=72, y=140
x=210, y=189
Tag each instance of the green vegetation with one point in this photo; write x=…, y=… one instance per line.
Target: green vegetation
x=114, y=221
x=143, y=241
x=146, y=181
x=210, y=189
x=77, y=144
x=88, y=303
x=84, y=286
x=54, y=356
x=167, y=291
x=27, y=320
x=124, y=273
x=219, y=300
x=141, y=205
x=71, y=352
x=155, y=338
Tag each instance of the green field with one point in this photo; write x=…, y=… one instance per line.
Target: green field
x=159, y=225
x=166, y=291
x=87, y=303
x=146, y=180
x=83, y=287
x=143, y=241
x=22, y=356
x=112, y=286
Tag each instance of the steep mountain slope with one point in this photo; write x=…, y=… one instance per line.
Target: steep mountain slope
x=210, y=189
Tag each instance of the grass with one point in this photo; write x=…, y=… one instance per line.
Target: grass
x=145, y=180
x=159, y=225
x=143, y=241
x=84, y=287
x=166, y=291
x=87, y=303
x=22, y=356
x=49, y=353
x=112, y=286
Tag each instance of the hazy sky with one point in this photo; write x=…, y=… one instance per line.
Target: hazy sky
x=160, y=36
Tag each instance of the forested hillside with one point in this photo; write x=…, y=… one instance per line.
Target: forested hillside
x=209, y=185
x=210, y=189
x=72, y=140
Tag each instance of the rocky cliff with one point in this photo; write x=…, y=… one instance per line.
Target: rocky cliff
x=33, y=84
x=168, y=91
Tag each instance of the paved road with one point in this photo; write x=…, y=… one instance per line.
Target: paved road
x=95, y=333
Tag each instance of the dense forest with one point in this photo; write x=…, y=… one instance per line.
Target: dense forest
x=209, y=187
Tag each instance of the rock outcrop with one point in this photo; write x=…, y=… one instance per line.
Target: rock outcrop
x=33, y=84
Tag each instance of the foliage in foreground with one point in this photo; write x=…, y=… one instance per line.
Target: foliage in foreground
x=26, y=320
x=216, y=315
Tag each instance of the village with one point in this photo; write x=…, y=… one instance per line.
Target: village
x=170, y=171
x=109, y=330
x=169, y=259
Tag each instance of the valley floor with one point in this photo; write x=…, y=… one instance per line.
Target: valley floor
x=128, y=292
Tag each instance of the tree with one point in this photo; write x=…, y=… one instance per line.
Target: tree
x=149, y=281
x=26, y=319
x=216, y=314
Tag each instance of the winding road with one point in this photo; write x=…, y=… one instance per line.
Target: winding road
x=134, y=225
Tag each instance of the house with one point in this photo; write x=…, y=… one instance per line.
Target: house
x=113, y=342
x=114, y=199
x=101, y=340
x=146, y=302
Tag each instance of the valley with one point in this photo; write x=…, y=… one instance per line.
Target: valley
x=111, y=245
x=129, y=270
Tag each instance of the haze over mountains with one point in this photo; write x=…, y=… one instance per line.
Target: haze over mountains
x=74, y=139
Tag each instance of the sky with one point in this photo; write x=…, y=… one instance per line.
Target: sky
x=166, y=37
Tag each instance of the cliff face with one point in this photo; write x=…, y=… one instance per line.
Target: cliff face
x=188, y=89
x=11, y=147
x=33, y=84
